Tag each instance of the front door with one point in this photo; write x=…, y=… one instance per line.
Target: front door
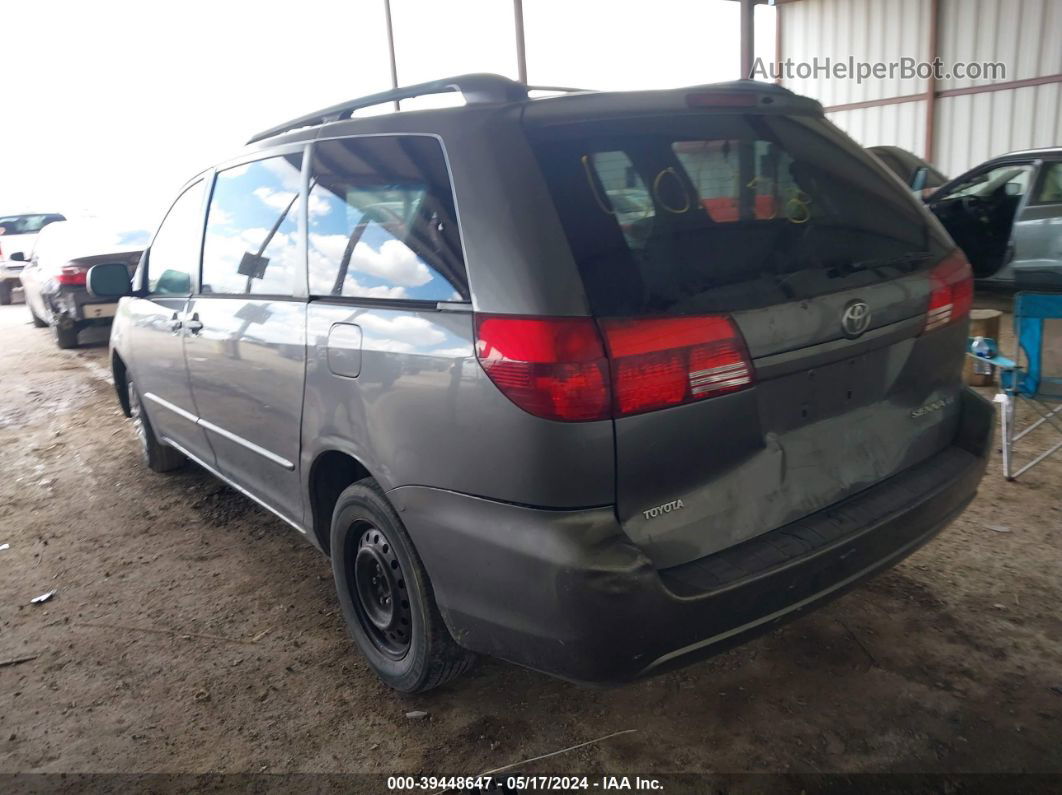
x=245, y=340
x=156, y=327
x=1037, y=236
x=979, y=214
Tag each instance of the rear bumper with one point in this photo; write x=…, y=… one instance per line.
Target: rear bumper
x=565, y=592
x=11, y=272
x=74, y=306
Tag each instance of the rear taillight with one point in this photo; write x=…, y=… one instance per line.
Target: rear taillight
x=951, y=284
x=557, y=368
x=660, y=362
x=72, y=275
x=550, y=367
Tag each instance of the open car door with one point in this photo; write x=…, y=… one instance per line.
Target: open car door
x=978, y=211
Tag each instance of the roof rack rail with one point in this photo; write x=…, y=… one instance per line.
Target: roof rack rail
x=476, y=88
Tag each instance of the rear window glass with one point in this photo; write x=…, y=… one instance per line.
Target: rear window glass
x=26, y=224
x=725, y=212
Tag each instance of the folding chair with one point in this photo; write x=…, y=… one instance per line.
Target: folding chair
x=1037, y=384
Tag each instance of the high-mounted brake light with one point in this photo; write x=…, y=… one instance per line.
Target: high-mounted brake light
x=550, y=367
x=952, y=292
x=72, y=275
x=724, y=99
x=667, y=361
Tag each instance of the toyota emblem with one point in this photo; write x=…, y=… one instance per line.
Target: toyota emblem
x=855, y=319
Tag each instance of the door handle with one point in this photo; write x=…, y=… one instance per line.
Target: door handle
x=193, y=324
x=175, y=324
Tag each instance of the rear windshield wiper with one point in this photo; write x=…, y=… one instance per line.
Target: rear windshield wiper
x=909, y=260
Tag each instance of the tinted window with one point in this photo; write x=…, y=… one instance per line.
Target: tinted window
x=724, y=212
x=174, y=256
x=382, y=221
x=251, y=245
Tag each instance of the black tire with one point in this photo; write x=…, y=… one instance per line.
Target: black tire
x=37, y=322
x=405, y=640
x=159, y=457
x=5, y=293
x=65, y=336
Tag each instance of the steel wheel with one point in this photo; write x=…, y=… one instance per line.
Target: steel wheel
x=378, y=590
x=136, y=412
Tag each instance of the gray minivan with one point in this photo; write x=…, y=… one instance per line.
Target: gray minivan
x=599, y=444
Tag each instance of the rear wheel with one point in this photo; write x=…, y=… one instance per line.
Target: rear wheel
x=5, y=293
x=386, y=597
x=65, y=336
x=158, y=456
x=37, y=322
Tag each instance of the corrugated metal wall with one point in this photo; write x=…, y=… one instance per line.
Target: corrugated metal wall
x=1026, y=35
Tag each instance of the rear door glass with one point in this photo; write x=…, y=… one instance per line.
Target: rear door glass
x=724, y=212
x=251, y=245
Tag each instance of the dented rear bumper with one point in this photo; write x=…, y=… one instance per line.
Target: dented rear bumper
x=567, y=593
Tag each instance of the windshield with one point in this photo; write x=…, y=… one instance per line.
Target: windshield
x=735, y=211
x=26, y=224
x=985, y=184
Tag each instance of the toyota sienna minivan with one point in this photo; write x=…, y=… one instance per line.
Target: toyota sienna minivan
x=522, y=422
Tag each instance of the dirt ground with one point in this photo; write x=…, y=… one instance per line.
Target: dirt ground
x=193, y=632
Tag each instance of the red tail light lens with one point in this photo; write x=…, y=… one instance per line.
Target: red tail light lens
x=660, y=362
x=550, y=367
x=72, y=275
x=952, y=292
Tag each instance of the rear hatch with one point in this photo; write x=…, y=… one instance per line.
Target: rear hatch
x=762, y=287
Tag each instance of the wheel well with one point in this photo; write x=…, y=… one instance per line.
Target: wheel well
x=331, y=472
x=120, y=382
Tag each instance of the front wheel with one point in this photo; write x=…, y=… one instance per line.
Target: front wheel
x=386, y=597
x=5, y=293
x=159, y=457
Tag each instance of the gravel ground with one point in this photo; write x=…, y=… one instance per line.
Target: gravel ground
x=192, y=632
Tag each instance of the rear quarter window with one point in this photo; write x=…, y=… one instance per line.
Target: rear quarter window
x=382, y=223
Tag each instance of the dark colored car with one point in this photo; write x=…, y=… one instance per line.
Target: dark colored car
x=916, y=173
x=17, y=235
x=1006, y=214
x=524, y=422
x=54, y=279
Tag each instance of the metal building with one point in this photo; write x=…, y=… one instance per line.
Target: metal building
x=953, y=123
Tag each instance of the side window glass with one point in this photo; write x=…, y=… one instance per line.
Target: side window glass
x=382, y=222
x=1050, y=191
x=174, y=255
x=251, y=245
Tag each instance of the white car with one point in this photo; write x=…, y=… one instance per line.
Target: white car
x=17, y=235
x=53, y=281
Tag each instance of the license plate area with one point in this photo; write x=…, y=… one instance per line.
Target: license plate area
x=94, y=311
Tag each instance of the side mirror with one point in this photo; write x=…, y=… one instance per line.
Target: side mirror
x=18, y=256
x=1012, y=189
x=110, y=280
